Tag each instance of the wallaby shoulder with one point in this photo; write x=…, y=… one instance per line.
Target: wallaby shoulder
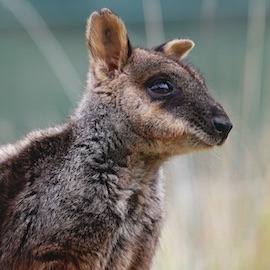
x=22, y=162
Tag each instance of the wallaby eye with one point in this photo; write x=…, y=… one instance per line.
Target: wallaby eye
x=160, y=88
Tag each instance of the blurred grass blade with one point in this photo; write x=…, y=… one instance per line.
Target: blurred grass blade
x=48, y=45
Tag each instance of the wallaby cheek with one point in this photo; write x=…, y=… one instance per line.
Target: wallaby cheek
x=151, y=121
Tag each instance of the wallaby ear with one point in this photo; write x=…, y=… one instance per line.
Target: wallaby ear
x=178, y=47
x=108, y=43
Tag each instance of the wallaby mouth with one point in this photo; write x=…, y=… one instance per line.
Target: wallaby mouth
x=209, y=131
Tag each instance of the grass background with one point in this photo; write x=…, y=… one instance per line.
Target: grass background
x=218, y=201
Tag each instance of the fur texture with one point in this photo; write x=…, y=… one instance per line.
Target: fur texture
x=88, y=194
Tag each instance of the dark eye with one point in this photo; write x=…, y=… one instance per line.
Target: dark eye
x=160, y=88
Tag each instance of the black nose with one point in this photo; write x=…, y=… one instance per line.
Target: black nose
x=222, y=125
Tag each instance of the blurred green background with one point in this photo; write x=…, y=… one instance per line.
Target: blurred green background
x=218, y=201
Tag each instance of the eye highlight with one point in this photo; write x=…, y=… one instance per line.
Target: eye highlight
x=160, y=88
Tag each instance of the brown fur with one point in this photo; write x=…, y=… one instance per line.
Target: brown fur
x=88, y=195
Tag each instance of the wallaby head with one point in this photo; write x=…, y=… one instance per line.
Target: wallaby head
x=156, y=94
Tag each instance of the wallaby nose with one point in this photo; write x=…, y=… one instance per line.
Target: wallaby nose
x=222, y=125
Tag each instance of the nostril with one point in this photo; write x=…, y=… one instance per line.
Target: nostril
x=222, y=125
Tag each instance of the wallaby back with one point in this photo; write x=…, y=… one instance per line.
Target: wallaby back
x=88, y=194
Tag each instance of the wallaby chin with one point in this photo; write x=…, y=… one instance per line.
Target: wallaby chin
x=89, y=194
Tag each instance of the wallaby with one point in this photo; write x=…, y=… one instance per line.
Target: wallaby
x=88, y=194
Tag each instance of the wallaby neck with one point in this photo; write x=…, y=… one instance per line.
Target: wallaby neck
x=104, y=141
